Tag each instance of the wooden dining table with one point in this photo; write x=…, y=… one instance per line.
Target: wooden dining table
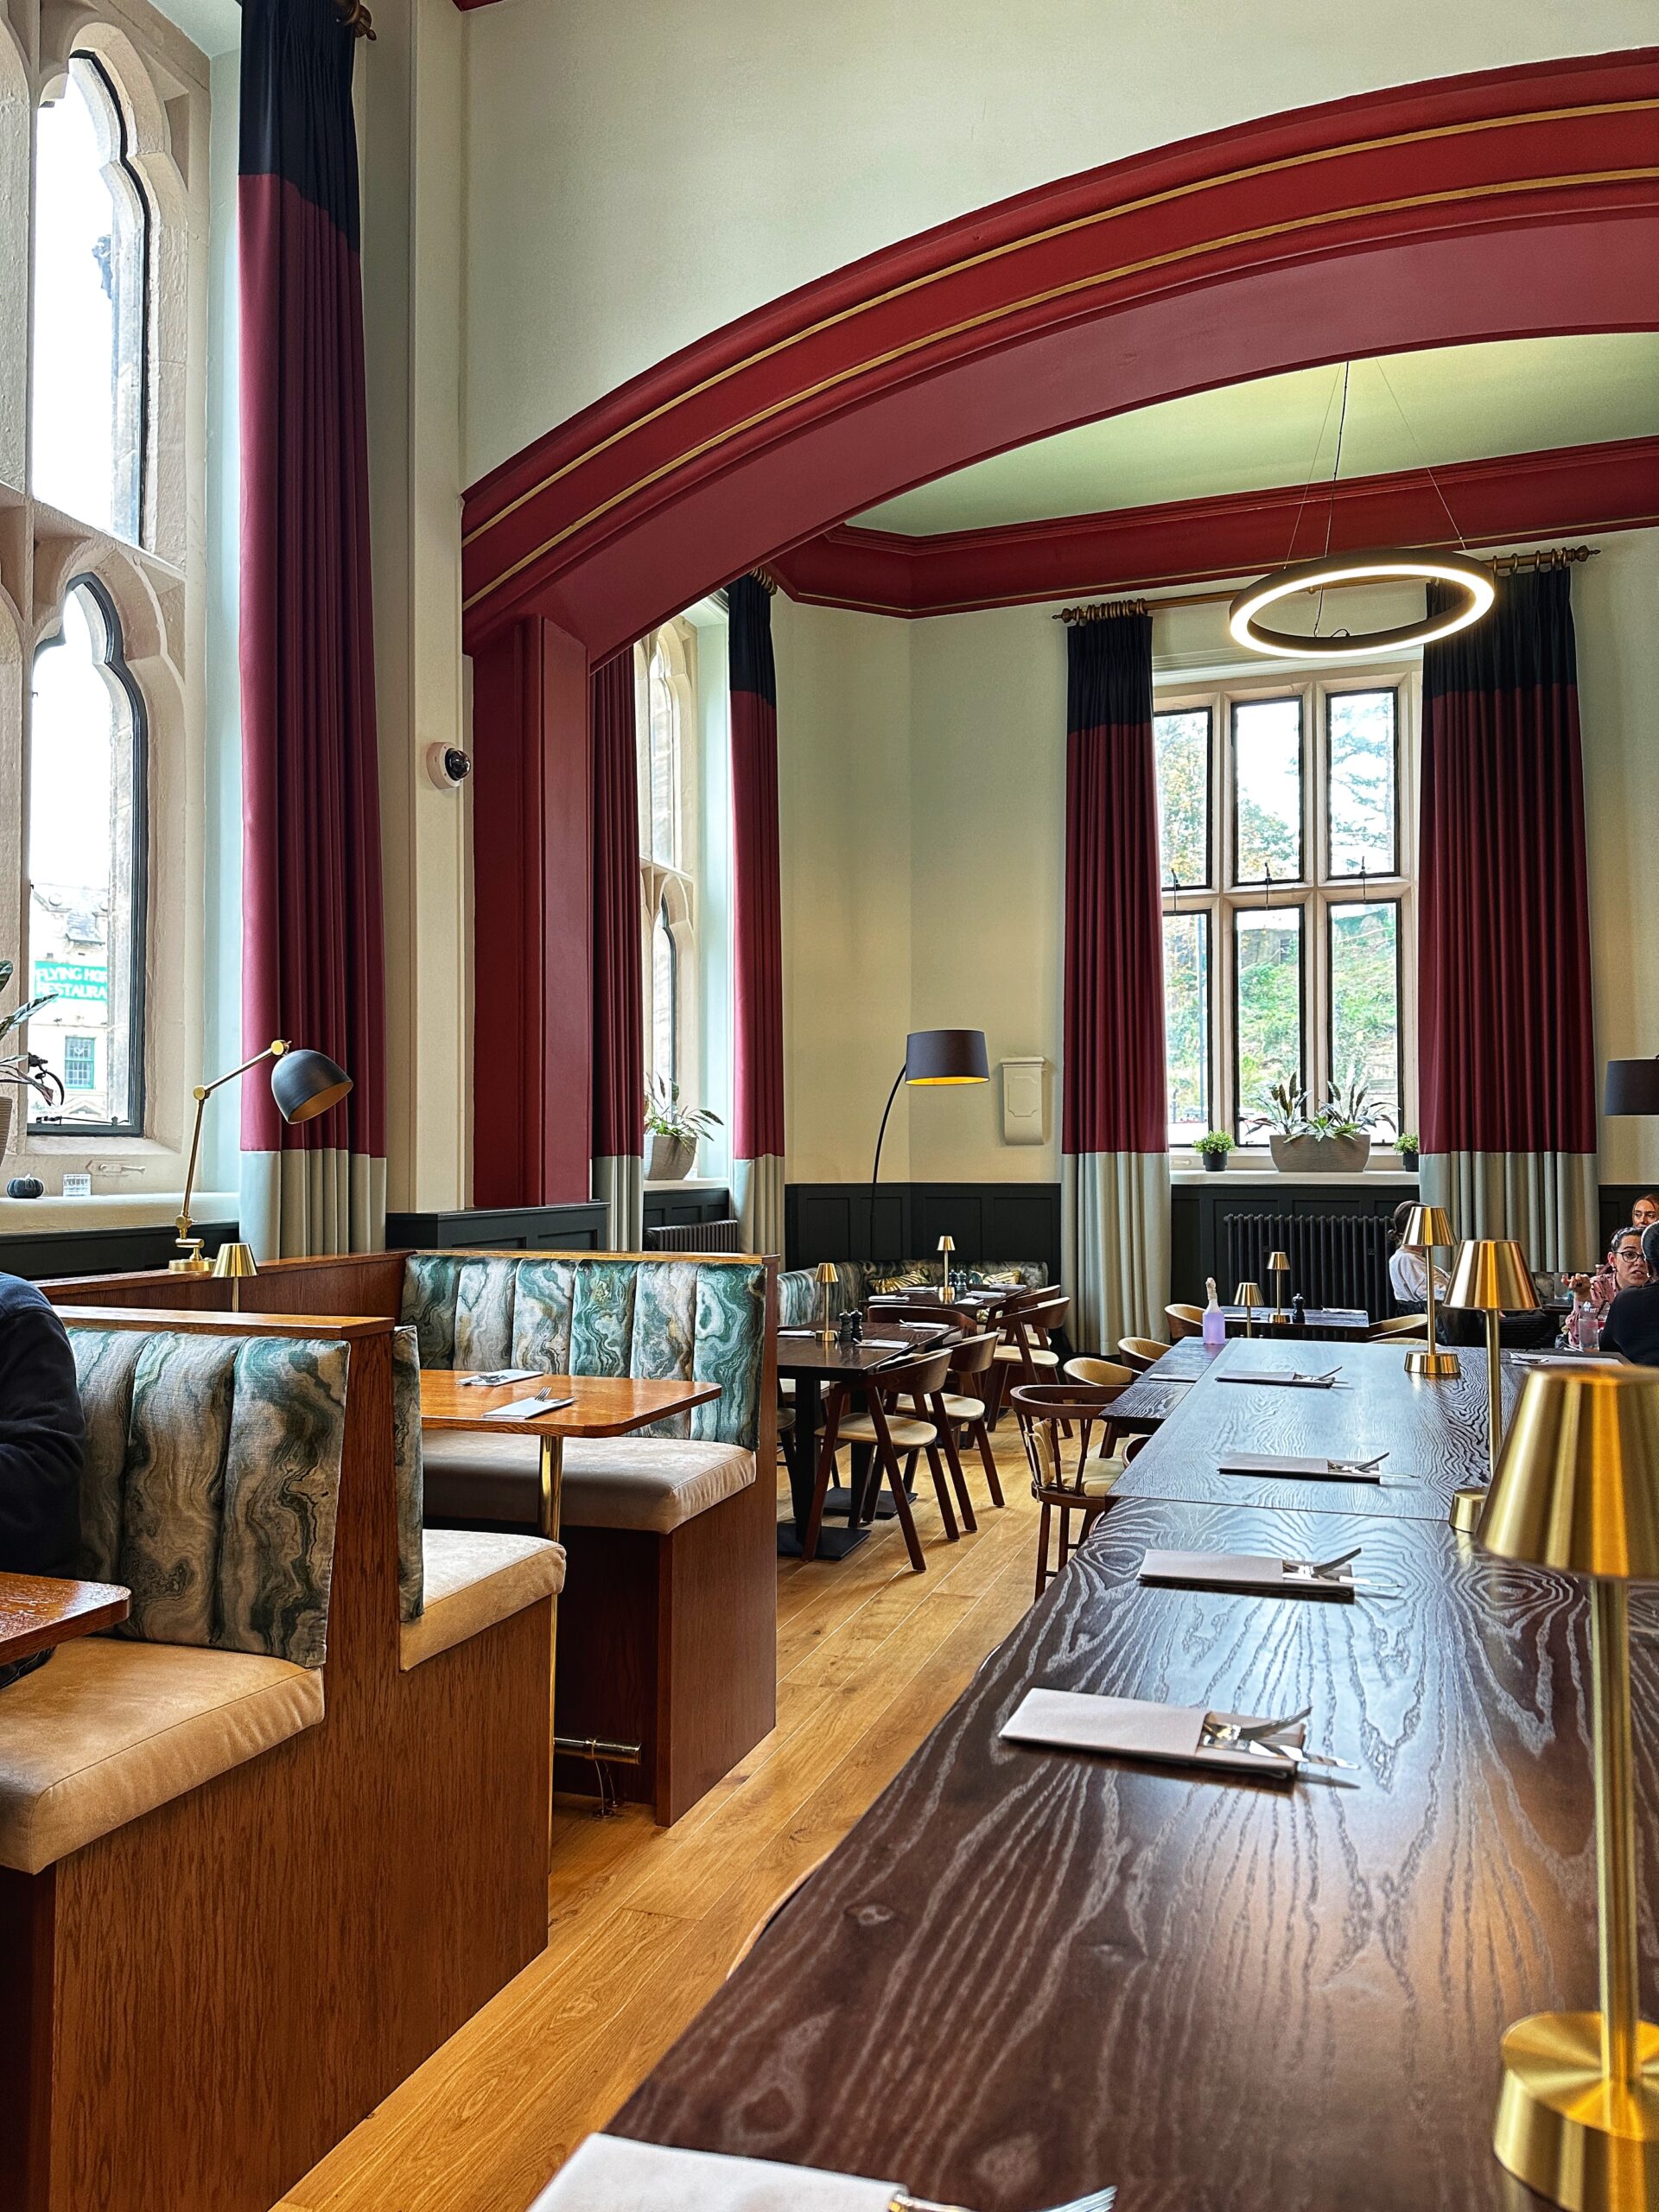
x=1029, y=1973
x=39, y=1611
x=600, y=1405
x=812, y=1361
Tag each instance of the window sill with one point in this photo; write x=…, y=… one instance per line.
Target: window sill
x=689, y=1183
x=103, y=1209
x=1390, y=1178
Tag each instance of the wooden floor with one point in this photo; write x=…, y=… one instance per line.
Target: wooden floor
x=644, y=1922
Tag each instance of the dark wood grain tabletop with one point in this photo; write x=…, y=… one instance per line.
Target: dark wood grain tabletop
x=1148, y=1402
x=39, y=1611
x=1434, y=1433
x=1026, y=1973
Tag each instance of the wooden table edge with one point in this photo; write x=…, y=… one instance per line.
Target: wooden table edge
x=86, y=1620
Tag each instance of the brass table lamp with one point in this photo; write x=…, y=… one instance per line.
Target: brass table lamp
x=947, y=1246
x=828, y=1278
x=304, y=1083
x=1577, y=1490
x=235, y=1263
x=1248, y=1295
x=1428, y=1230
x=1491, y=1277
x=1279, y=1267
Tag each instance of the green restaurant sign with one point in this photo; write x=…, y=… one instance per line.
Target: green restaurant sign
x=72, y=979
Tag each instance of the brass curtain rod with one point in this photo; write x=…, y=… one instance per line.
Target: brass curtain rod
x=356, y=18
x=1504, y=564
x=767, y=582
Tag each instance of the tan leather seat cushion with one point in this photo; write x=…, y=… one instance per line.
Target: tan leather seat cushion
x=907, y=1435
x=964, y=1409
x=475, y=1577
x=107, y=1729
x=655, y=1483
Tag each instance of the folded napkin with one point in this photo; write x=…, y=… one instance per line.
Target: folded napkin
x=1567, y=1359
x=526, y=1410
x=489, y=1378
x=1284, y=1381
x=1069, y=1720
x=1256, y=1573
x=611, y=2174
x=1285, y=1463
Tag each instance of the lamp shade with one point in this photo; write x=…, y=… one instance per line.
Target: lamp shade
x=1248, y=1294
x=1428, y=1228
x=827, y=1272
x=1632, y=1087
x=947, y=1244
x=1578, y=1486
x=946, y=1055
x=235, y=1261
x=1278, y=1263
x=1491, y=1277
x=306, y=1084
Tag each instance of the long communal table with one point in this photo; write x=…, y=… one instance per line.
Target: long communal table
x=1026, y=1974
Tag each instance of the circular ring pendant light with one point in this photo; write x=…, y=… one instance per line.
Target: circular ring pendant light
x=1386, y=564
x=1383, y=565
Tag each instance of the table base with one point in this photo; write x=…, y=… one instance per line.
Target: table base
x=833, y=1543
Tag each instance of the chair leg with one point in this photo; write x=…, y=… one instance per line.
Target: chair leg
x=825, y=1469
x=889, y=1461
x=958, y=1479
x=941, y=1491
x=982, y=1437
x=1042, y=1549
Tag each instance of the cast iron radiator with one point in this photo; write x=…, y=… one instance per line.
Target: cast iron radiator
x=1341, y=1261
x=697, y=1237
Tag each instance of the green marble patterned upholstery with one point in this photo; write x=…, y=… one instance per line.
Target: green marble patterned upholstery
x=211, y=1484
x=409, y=1471
x=798, y=1292
x=659, y=1318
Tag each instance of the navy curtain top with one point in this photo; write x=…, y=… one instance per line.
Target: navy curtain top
x=296, y=121
x=1109, y=673
x=748, y=606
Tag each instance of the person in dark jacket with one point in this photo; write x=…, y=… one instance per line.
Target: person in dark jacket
x=1632, y=1323
x=41, y=1438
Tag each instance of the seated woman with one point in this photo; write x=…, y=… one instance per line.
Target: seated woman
x=42, y=1435
x=1632, y=1325
x=1601, y=1288
x=1409, y=1270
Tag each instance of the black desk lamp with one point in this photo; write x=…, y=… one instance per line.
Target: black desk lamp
x=938, y=1056
x=304, y=1083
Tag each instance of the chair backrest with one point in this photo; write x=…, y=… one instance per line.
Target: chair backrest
x=581, y=1314
x=1183, y=1321
x=1100, y=1374
x=1141, y=1353
x=882, y=1313
x=210, y=1484
x=974, y=1355
x=1044, y=1411
x=911, y=1378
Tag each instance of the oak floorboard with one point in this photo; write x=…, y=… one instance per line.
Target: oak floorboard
x=646, y=1923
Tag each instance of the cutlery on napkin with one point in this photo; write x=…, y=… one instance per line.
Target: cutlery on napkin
x=1254, y=1574
x=1133, y=1728
x=610, y=2173
x=1287, y=1382
x=491, y=1378
x=1309, y=1468
x=526, y=1410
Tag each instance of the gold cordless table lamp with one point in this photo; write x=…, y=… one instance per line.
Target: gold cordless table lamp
x=235, y=1263
x=1279, y=1267
x=304, y=1083
x=1577, y=1490
x=947, y=1246
x=1491, y=1277
x=828, y=1277
x=1248, y=1295
x=1428, y=1230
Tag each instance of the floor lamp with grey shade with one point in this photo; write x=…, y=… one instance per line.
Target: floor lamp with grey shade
x=931, y=1056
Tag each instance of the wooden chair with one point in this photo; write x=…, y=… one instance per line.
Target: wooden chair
x=965, y=1408
x=1403, y=1329
x=1141, y=1353
x=1102, y=1374
x=1047, y=1412
x=1183, y=1321
x=1025, y=1354
x=888, y=1431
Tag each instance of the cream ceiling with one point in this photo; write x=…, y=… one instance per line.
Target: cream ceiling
x=1456, y=403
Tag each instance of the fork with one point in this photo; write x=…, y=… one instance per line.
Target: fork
x=1252, y=1731
x=1100, y=2200
x=1325, y=1568
x=1356, y=1466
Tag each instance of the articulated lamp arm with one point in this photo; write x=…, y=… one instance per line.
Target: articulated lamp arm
x=192, y=1262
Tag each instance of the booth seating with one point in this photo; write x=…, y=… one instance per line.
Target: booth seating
x=258, y=1858
x=667, y=1634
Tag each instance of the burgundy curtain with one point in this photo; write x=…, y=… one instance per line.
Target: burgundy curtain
x=1506, y=1047
x=1115, y=1162
x=618, y=986
x=313, y=961
x=757, y=921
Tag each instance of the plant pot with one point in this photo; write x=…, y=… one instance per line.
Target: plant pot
x=1214, y=1162
x=671, y=1160
x=1409, y=1161
x=1321, y=1155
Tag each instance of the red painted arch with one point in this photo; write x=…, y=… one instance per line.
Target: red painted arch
x=1511, y=203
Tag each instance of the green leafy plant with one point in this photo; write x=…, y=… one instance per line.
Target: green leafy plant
x=1214, y=1142
x=1284, y=1112
x=666, y=1117
x=1408, y=1141
x=26, y=1070
x=1349, y=1112
x=20, y=1015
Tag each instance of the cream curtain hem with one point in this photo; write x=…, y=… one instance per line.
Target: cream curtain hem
x=758, y=1188
x=1548, y=1201
x=619, y=1184
x=1115, y=1246
x=296, y=1204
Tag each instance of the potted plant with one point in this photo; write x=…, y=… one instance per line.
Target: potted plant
x=1212, y=1148
x=1335, y=1140
x=1408, y=1145
x=25, y=1071
x=675, y=1131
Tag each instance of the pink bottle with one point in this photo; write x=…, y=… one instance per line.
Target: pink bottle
x=1214, y=1321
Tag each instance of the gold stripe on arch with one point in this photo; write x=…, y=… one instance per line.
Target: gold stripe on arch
x=1072, y=287
x=988, y=254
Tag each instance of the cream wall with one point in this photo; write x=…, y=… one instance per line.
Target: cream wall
x=639, y=175
x=923, y=861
